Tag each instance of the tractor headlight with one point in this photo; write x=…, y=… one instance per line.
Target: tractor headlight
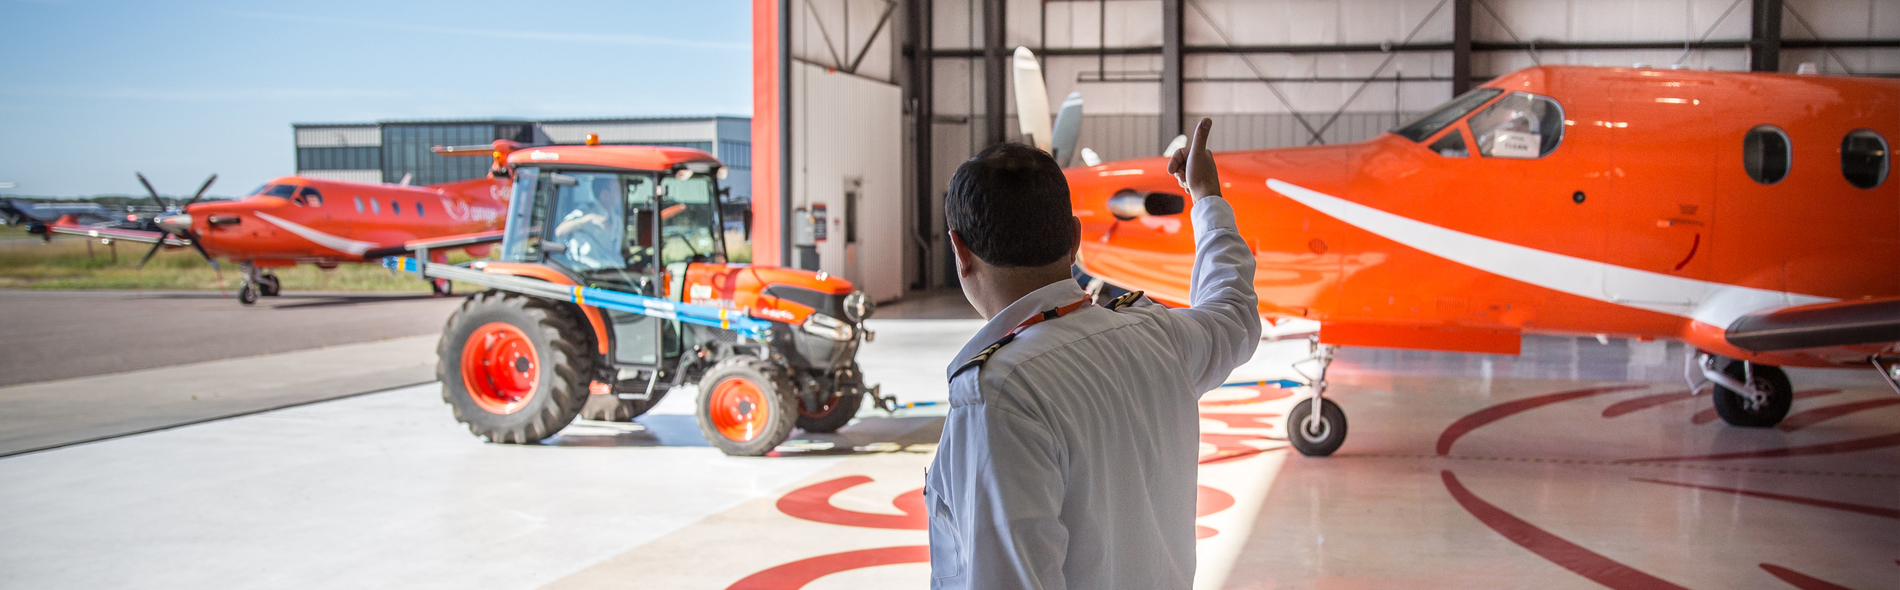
x=858, y=306
x=828, y=327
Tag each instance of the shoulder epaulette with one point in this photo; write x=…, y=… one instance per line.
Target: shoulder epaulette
x=981, y=357
x=1125, y=300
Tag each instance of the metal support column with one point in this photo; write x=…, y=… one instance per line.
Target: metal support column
x=1173, y=118
x=1460, y=46
x=785, y=133
x=1764, y=37
x=922, y=83
x=995, y=72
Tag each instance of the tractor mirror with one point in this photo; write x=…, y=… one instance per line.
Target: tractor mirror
x=553, y=247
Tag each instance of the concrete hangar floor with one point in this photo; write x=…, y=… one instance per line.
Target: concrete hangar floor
x=1576, y=465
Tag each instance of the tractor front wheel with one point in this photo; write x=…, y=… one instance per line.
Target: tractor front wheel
x=847, y=395
x=747, y=406
x=514, y=368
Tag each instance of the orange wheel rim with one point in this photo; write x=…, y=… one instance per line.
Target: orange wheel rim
x=500, y=368
x=739, y=410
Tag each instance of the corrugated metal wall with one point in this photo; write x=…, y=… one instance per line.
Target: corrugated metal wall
x=633, y=132
x=351, y=136
x=363, y=176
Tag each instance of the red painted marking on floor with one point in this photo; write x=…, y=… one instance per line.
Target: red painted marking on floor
x=1261, y=394
x=813, y=503
x=797, y=574
x=1228, y=447
x=1801, y=580
x=1708, y=415
x=1249, y=420
x=1846, y=446
x=1501, y=411
x=1209, y=501
x=1202, y=532
x=1808, y=418
x=1570, y=556
x=1860, y=508
x=1644, y=403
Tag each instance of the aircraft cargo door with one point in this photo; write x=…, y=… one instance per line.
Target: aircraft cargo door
x=1663, y=204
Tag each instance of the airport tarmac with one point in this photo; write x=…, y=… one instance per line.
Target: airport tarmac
x=1578, y=464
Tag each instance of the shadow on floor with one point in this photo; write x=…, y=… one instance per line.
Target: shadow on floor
x=865, y=436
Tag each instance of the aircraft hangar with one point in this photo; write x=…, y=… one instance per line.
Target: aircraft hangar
x=864, y=108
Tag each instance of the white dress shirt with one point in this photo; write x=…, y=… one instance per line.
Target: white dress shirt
x=1070, y=455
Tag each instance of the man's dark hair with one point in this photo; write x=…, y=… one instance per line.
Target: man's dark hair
x=1010, y=204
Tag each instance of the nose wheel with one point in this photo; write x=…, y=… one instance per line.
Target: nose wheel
x=1316, y=426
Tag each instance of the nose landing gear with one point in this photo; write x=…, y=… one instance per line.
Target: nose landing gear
x=1316, y=426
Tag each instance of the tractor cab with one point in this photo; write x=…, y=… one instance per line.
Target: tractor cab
x=619, y=278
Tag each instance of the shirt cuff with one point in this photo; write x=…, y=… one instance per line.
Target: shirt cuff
x=1211, y=213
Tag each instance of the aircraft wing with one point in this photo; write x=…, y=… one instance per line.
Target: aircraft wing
x=436, y=243
x=66, y=226
x=1838, y=323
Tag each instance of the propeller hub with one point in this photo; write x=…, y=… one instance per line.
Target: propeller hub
x=176, y=223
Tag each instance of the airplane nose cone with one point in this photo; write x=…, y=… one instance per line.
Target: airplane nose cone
x=178, y=223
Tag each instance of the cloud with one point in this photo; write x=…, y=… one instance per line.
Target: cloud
x=589, y=38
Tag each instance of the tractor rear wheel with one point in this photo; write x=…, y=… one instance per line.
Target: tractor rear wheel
x=514, y=368
x=747, y=406
x=847, y=395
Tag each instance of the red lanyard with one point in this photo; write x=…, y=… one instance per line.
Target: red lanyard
x=1050, y=315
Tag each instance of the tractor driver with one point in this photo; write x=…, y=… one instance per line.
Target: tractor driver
x=589, y=223
x=1069, y=456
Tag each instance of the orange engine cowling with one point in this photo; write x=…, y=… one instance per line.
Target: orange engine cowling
x=771, y=293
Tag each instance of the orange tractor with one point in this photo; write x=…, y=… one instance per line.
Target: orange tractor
x=615, y=284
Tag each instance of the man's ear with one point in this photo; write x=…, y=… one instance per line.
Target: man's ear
x=966, y=260
x=1076, y=246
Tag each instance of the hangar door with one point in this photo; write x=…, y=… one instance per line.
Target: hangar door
x=847, y=161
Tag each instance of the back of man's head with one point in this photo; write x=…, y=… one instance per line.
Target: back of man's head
x=1010, y=204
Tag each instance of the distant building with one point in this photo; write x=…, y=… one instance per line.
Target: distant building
x=386, y=151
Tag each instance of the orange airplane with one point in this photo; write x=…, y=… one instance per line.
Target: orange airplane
x=294, y=220
x=1745, y=214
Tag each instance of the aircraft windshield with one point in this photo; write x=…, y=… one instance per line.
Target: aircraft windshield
x=689, y=223
x=1432, y=121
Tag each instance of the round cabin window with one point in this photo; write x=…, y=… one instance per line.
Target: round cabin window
x=1766, y=154
x=1864, y=158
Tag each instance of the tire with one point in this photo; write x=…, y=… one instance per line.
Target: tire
x=608, y=408
x=247, y=293
x=269, y=286
x=514, y=368
x=1737, y=409
x=747, y=406
x=1328, y=434
x=837, y=411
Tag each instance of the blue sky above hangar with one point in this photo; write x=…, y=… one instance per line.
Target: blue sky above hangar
x=91, y=91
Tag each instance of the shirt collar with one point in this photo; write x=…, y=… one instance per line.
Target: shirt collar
x=1053, y=295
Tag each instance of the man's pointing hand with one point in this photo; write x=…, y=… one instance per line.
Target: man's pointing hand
x=1193, y=166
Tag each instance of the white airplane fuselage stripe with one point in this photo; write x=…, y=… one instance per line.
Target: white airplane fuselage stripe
x=338, y=243
x=1716, y=304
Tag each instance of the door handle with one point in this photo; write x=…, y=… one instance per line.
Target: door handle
x=1675, y=221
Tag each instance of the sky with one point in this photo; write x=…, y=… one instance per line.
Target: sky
x=92, y=91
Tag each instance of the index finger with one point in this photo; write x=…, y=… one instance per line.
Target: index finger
x=1200, y=134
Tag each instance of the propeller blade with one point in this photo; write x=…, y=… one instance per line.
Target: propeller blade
x=201, y=192
x=201, y=251
x=1068, y=129
x=152, y=252
x=149, y=190
x=1089, y=158
x=1032, y=100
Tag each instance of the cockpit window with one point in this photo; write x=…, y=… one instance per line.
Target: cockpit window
x=1452, y=145
x=1431, y=122
x=1864, y=158
x=1766, y=154
x=311, y=197
x=279, y=190
x=1522, y=126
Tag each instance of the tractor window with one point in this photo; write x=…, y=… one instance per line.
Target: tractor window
x=639, y=221
x=1520, y=126
x=689, y=220
x=1428, y=124
x=522, y=236
x=588, y=219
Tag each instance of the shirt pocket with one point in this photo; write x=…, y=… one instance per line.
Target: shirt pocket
x=946, y=540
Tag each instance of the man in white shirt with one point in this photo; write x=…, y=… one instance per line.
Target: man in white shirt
x=1069, y=457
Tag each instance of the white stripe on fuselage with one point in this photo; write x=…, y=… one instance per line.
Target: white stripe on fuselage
x=1716, y=304
x=338, y=243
